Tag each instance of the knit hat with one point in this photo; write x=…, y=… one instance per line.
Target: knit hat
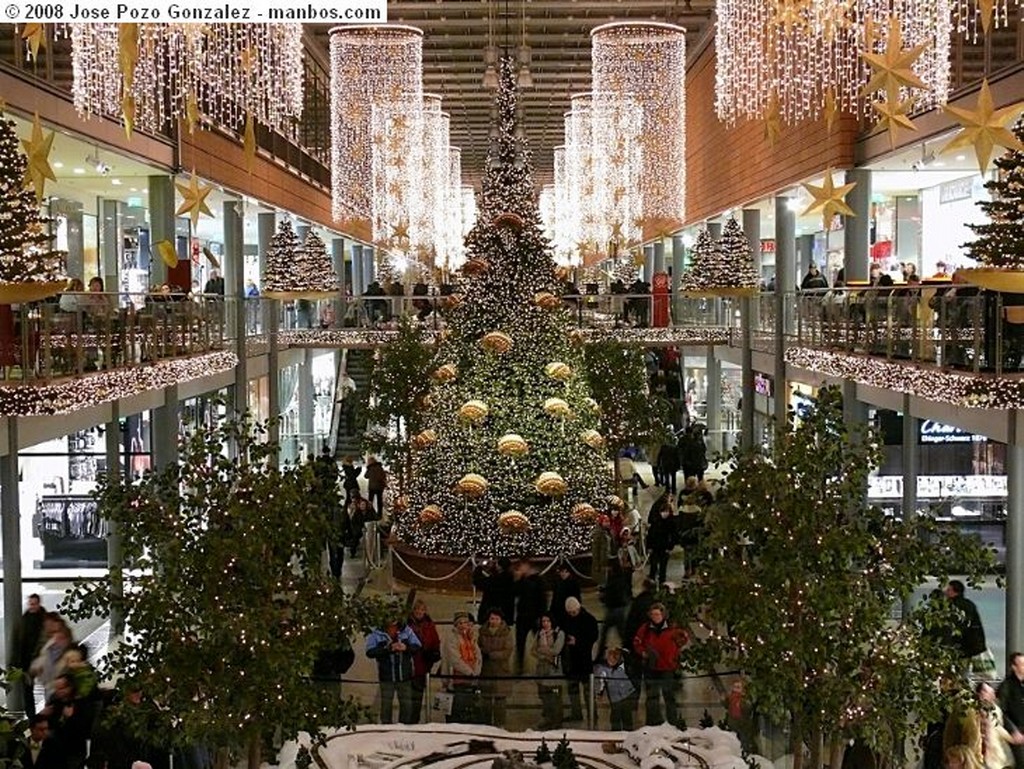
x=461, y=615
x=572, y=604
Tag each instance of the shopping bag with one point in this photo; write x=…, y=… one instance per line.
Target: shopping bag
x=983, y=665
x=443, y=703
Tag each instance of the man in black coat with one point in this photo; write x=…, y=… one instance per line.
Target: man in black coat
x=1011, y=701
x=566, y=586
x=41, y=752
x=28, y=639
x=580, y=630
x=498, y=586
x=970, y=640
x=530, y=604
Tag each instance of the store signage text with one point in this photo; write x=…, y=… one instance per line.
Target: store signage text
x=936, y=432
x=958, y=189
x=939, y=486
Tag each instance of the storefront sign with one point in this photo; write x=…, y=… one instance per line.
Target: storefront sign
x=958, y=189
x=939, y=486
x=767, y=246
x=762, y=384
x=936, y=432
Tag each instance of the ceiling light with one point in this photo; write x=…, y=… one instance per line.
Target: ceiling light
x=133, y=189
x=78, y=170
x=57, y=164
x=116, y=182
x=525, y=77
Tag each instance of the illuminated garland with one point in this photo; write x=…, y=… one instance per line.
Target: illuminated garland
x=965, y=390
x=71, y=395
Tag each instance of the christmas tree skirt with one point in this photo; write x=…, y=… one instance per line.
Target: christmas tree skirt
x=994, y=279
x=16, y=293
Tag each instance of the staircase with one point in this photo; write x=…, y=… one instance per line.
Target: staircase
x=349, y=419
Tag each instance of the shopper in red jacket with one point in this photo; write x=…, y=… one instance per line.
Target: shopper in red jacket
x=424, y=659
x=657, y=644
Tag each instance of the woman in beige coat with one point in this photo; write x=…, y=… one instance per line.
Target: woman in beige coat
x=546, y=650
x=497, y=642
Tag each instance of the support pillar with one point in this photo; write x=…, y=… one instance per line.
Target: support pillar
x=302, y=230
x=306, y=402
x=115, y=554
x=234, y=295
x=785, y=262
x=715, y=229
x=910, y=465
x=273, y=376
x=648, y=271
x=752, y=229
x=358, y=281
x=266, y=226
x=161, y=222
x=111, y=247
x=166, y=420
x=678, y=260
x=659, y=256
x=714, y=400
x=1014, y=545
x=10, y=530
x=338, y=261
x=369, y=267
x=857, y=229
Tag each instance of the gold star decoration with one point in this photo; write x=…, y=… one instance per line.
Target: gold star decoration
x=166, y=251
x=985, y=10
x=894, y=68
x=38, y=149
x=617, y=232
x=772, y=121
x=35, y=36
x=193, y=199
x=248, y=58
x=249, y=141
x=191, y=111
x=400, y=231
x=831, y=110
x=128, y=114
x=829, y=199
x=128, y=51
x=789, y=14
x=638, y=258
x=984, y=127
x=892, y=115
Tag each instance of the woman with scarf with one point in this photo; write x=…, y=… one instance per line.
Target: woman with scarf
x=546, y=651
x=463, y=661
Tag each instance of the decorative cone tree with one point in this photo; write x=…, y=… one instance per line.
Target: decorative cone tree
x=1000, y=242
x=29, y=267
x=725, y=268
x=510, y=460
x=298, y=270
x=704, y=255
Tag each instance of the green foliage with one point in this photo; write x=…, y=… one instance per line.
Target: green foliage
x=399, y=382
x=706, y=721
x=543, y=754
x=630, y=414
x=563, y=756
x=800, y=579
x=223, y=594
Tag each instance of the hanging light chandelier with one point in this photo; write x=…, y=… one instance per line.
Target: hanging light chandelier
x=151, y=75
x=644, y=63
x=370, y=66
x=805, y=58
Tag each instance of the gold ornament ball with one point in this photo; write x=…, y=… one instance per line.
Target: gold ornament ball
x=593, y=405
x=593, y=438
x=426, y=438
x=474, y=411
x=472, y=485
x=475, y=266
x=512, y=445
x=558, y=371
x=513, y=522
x=551, y=484
x=430, y=515
x=446, y=373
x=546, y=300
x=452, y=301
x=577, y=338
x=556, y=407
x=615, y=502
x=401, y=504
x=496, y=341
x=584, y=513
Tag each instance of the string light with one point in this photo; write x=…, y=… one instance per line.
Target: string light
x=969, y=16
x=370, y=65
x=969, y=391
x=644, y=64
x=228, y=71
x=69, y=396
x=804, y=55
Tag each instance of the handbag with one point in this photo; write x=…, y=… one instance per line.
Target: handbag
x=443, y=703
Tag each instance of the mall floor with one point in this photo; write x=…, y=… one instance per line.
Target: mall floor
x=698, y=693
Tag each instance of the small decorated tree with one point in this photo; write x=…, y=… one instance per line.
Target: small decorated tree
x=298, y=270
x=26, y=256
x=1000, y=241
x=704, y=255
x=223, y=594
x=722, y=268
x=799, y=582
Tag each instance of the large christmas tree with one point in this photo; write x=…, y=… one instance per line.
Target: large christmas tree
x=510, y=460
x=1000, y=241
x=25, y=252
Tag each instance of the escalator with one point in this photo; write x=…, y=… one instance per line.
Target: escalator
x=348, y=421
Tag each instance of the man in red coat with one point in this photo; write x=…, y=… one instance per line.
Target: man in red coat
x=426, y=656
x=657, y=644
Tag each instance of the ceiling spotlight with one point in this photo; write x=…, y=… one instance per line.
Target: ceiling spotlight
x=525, y=79
x=96, y=164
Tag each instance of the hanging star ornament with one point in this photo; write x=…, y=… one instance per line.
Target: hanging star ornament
x=193, y=199
x=895, y=67
x=128, y=114
x=984, y=127
x=191, y=112
x=249, y=142
x=35, y=36
x=829, y=199
x=772, y=121
x=831, y=110
x=400, y=232
x=790, y=14
x=37, y=148
x=986, y=9
x=892, y=115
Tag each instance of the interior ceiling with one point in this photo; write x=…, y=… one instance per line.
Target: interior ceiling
x=455, y=33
